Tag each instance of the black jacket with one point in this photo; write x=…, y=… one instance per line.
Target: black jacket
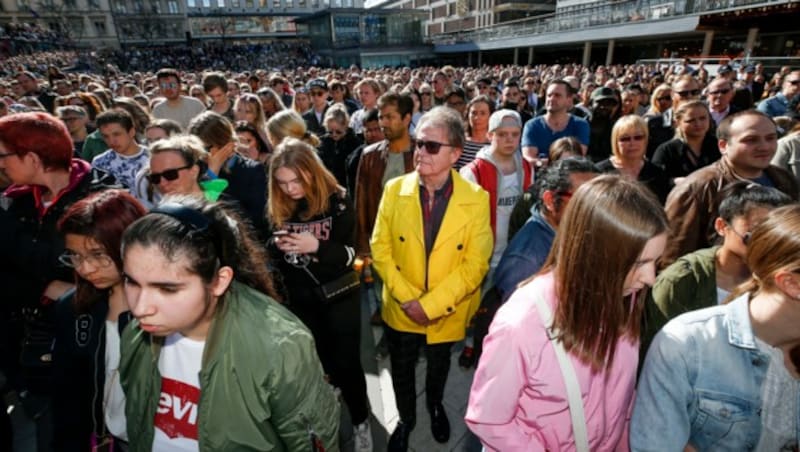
x=335, y=230
x=247, y=184
x=29, y=252
x=312, y=124
x=79, y=366
x=334, y=154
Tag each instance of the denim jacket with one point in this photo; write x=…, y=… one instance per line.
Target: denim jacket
x=702, y=383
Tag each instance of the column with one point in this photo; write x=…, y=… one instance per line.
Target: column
x=752, y=34
x=469, y=59
x=610, y=52
x=707, y=41
x=516, y=56
x=480, y=58
x=587, y=53
x=530, y=55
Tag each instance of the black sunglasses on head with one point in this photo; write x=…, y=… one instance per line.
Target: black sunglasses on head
x=170, y=174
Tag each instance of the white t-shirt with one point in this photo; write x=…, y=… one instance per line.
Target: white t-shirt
x=176, y=416
x=508, y=193
x=778, y=404
x=183, y=113
x=113, y=397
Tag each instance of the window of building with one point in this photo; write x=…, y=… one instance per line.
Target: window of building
x=206, y=3
x=249, y=4
x=120, y=7
x=172, y=6
x=235, y=3
x=191, y=3
x=100, y=27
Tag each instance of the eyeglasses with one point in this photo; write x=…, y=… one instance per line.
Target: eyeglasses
x=431, y=147
x=664, y=98
x=688, y=92
x=317, y=93
x=629, y=138
x=719, y=91
x=74, y=260
x=170, y=174
x=168, y=85
x=793, y=82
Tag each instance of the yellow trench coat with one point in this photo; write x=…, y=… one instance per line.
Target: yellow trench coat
x=457, y=264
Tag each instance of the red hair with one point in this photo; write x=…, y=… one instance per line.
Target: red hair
x=40, y=133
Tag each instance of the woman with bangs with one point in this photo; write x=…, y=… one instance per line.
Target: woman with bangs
x=248, y=108
x=313, y=245
x=727, y=377
x=558, y=367
x=660, y=100
x=88, y=402
x=629, y=146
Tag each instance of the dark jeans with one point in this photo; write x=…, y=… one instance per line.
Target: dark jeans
x=403, y=352
x=337, y=334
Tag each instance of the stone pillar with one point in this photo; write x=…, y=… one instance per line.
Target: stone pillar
x=707, y=41
x=530, y=55
x=469, y=59
x=610, y=52
x=480, y=58
x=516, y=56
x=587, y=53
x=752, y=34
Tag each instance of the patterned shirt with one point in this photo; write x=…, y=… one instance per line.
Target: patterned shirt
x=123, y=167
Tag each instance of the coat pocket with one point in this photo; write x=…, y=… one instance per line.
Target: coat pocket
x=721, y=422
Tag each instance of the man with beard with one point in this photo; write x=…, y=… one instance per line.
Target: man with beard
x=511, y=97
x=181, y=109
x=605, y=112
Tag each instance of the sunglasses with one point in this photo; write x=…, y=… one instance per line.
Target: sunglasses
x=431, y=147
x=664, y=98
x=793, y=82
x=688, y=92
x=719, y=91
x=317, y=93
x=170, y=174
x=629, y=138
x=168, y=85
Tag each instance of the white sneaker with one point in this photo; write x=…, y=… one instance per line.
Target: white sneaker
x=363, y=437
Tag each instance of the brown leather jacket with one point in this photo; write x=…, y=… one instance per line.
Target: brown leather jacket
x=369, y=189
x=692, y=206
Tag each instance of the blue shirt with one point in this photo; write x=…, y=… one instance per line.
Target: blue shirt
x=524, y=255
x=537, y=134
x=774, y=106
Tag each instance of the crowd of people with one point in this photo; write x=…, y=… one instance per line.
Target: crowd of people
x=187, y=253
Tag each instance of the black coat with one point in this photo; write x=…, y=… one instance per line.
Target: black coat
x=247, y=184
x=334, y=154
x=29, y=252
x=79, y=365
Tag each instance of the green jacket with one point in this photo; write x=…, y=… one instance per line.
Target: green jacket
x=262, y=385
x=688, y=284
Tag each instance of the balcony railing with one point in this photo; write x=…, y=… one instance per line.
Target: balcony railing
x=600, y=14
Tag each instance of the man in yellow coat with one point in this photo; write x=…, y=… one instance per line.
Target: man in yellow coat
x=431, y=246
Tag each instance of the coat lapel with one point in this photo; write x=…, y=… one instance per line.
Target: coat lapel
x=409, y=208
x=458, y=211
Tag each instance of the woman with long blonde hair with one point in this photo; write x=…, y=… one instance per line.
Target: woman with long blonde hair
x=314, y=235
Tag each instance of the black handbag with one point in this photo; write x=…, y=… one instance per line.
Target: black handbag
x=336, y=289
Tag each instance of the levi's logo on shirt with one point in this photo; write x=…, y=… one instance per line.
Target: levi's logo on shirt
x=176, y=415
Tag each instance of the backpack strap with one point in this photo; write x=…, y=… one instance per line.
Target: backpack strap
x=570, y=378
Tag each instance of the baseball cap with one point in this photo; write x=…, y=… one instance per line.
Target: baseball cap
x=504, y=118
x=318, y=83
x=603, y=92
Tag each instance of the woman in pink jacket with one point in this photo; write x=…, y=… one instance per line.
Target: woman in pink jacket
x=586, y=303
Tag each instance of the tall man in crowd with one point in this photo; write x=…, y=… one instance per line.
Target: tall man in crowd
x=747, y=141
x=179, y=108
x=778, y=104
x=431, y=245
x=557, y=122
x=719, y=94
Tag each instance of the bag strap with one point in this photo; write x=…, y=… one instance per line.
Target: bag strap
x=570, y=379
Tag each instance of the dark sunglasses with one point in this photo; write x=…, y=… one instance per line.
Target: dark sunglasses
x=664, y=98
x=793, y=82
x=688, y=92
x=317, y=93
x=431, y=147
x=629, y=138
x=170, y=174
